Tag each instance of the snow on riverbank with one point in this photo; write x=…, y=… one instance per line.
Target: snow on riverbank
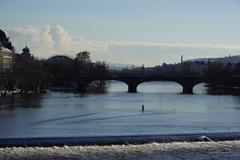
x=174, y=150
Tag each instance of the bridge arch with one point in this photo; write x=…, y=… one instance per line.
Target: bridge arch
x=187, y=84
x=200, y=88
x=112, y=80
x=160, y=87
x=117, y=86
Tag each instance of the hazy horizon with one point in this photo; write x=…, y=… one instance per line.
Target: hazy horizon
x=147, y=32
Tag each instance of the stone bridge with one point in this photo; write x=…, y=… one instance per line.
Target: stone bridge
x=132, y=81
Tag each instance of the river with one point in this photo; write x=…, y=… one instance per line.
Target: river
x=116, y=112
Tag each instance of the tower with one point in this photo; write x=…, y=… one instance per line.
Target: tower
x=181, y=58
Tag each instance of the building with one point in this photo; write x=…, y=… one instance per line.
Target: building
x=26, y=52
x=6, y=59
x=60, y=59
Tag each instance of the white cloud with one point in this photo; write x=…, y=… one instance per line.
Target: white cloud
x=51, y=40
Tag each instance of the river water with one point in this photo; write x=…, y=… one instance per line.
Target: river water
x=116, y=112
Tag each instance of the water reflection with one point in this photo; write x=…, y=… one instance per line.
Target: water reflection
x=117, y=86
x=160, y=87
x=33, y=101
x=237, y=99
x=200, y=88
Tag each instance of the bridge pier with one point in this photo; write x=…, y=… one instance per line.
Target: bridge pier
x=132, y=88
x=187, y=90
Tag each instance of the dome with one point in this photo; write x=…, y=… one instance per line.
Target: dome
x=60, y=58
x=26, y=50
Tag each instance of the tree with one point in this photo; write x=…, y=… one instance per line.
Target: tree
x=29, y=74
x=83, y=57
x=99, y=68
x=237, y=69
x=62, y=72
x=5, y=42
x=7, y=82
x=142, y=69
x=214, y=70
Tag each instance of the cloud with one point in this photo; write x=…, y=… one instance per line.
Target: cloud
x=172, y=45
x=51, y=40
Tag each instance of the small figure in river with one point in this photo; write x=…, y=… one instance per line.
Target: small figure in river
x=142, y=108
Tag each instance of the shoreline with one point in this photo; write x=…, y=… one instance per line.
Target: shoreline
x=116, y=140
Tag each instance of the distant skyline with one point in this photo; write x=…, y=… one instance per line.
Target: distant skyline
x=147, y=32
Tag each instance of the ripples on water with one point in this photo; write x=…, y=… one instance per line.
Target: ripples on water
x=119, y=113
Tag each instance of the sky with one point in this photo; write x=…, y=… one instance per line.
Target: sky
x=148, y=32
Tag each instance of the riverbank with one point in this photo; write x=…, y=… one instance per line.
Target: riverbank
x=151, y=151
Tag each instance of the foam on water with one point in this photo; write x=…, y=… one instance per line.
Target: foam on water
x=150, y=151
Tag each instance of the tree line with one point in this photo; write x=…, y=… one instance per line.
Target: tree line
x=223, y=75
x=30, y=74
